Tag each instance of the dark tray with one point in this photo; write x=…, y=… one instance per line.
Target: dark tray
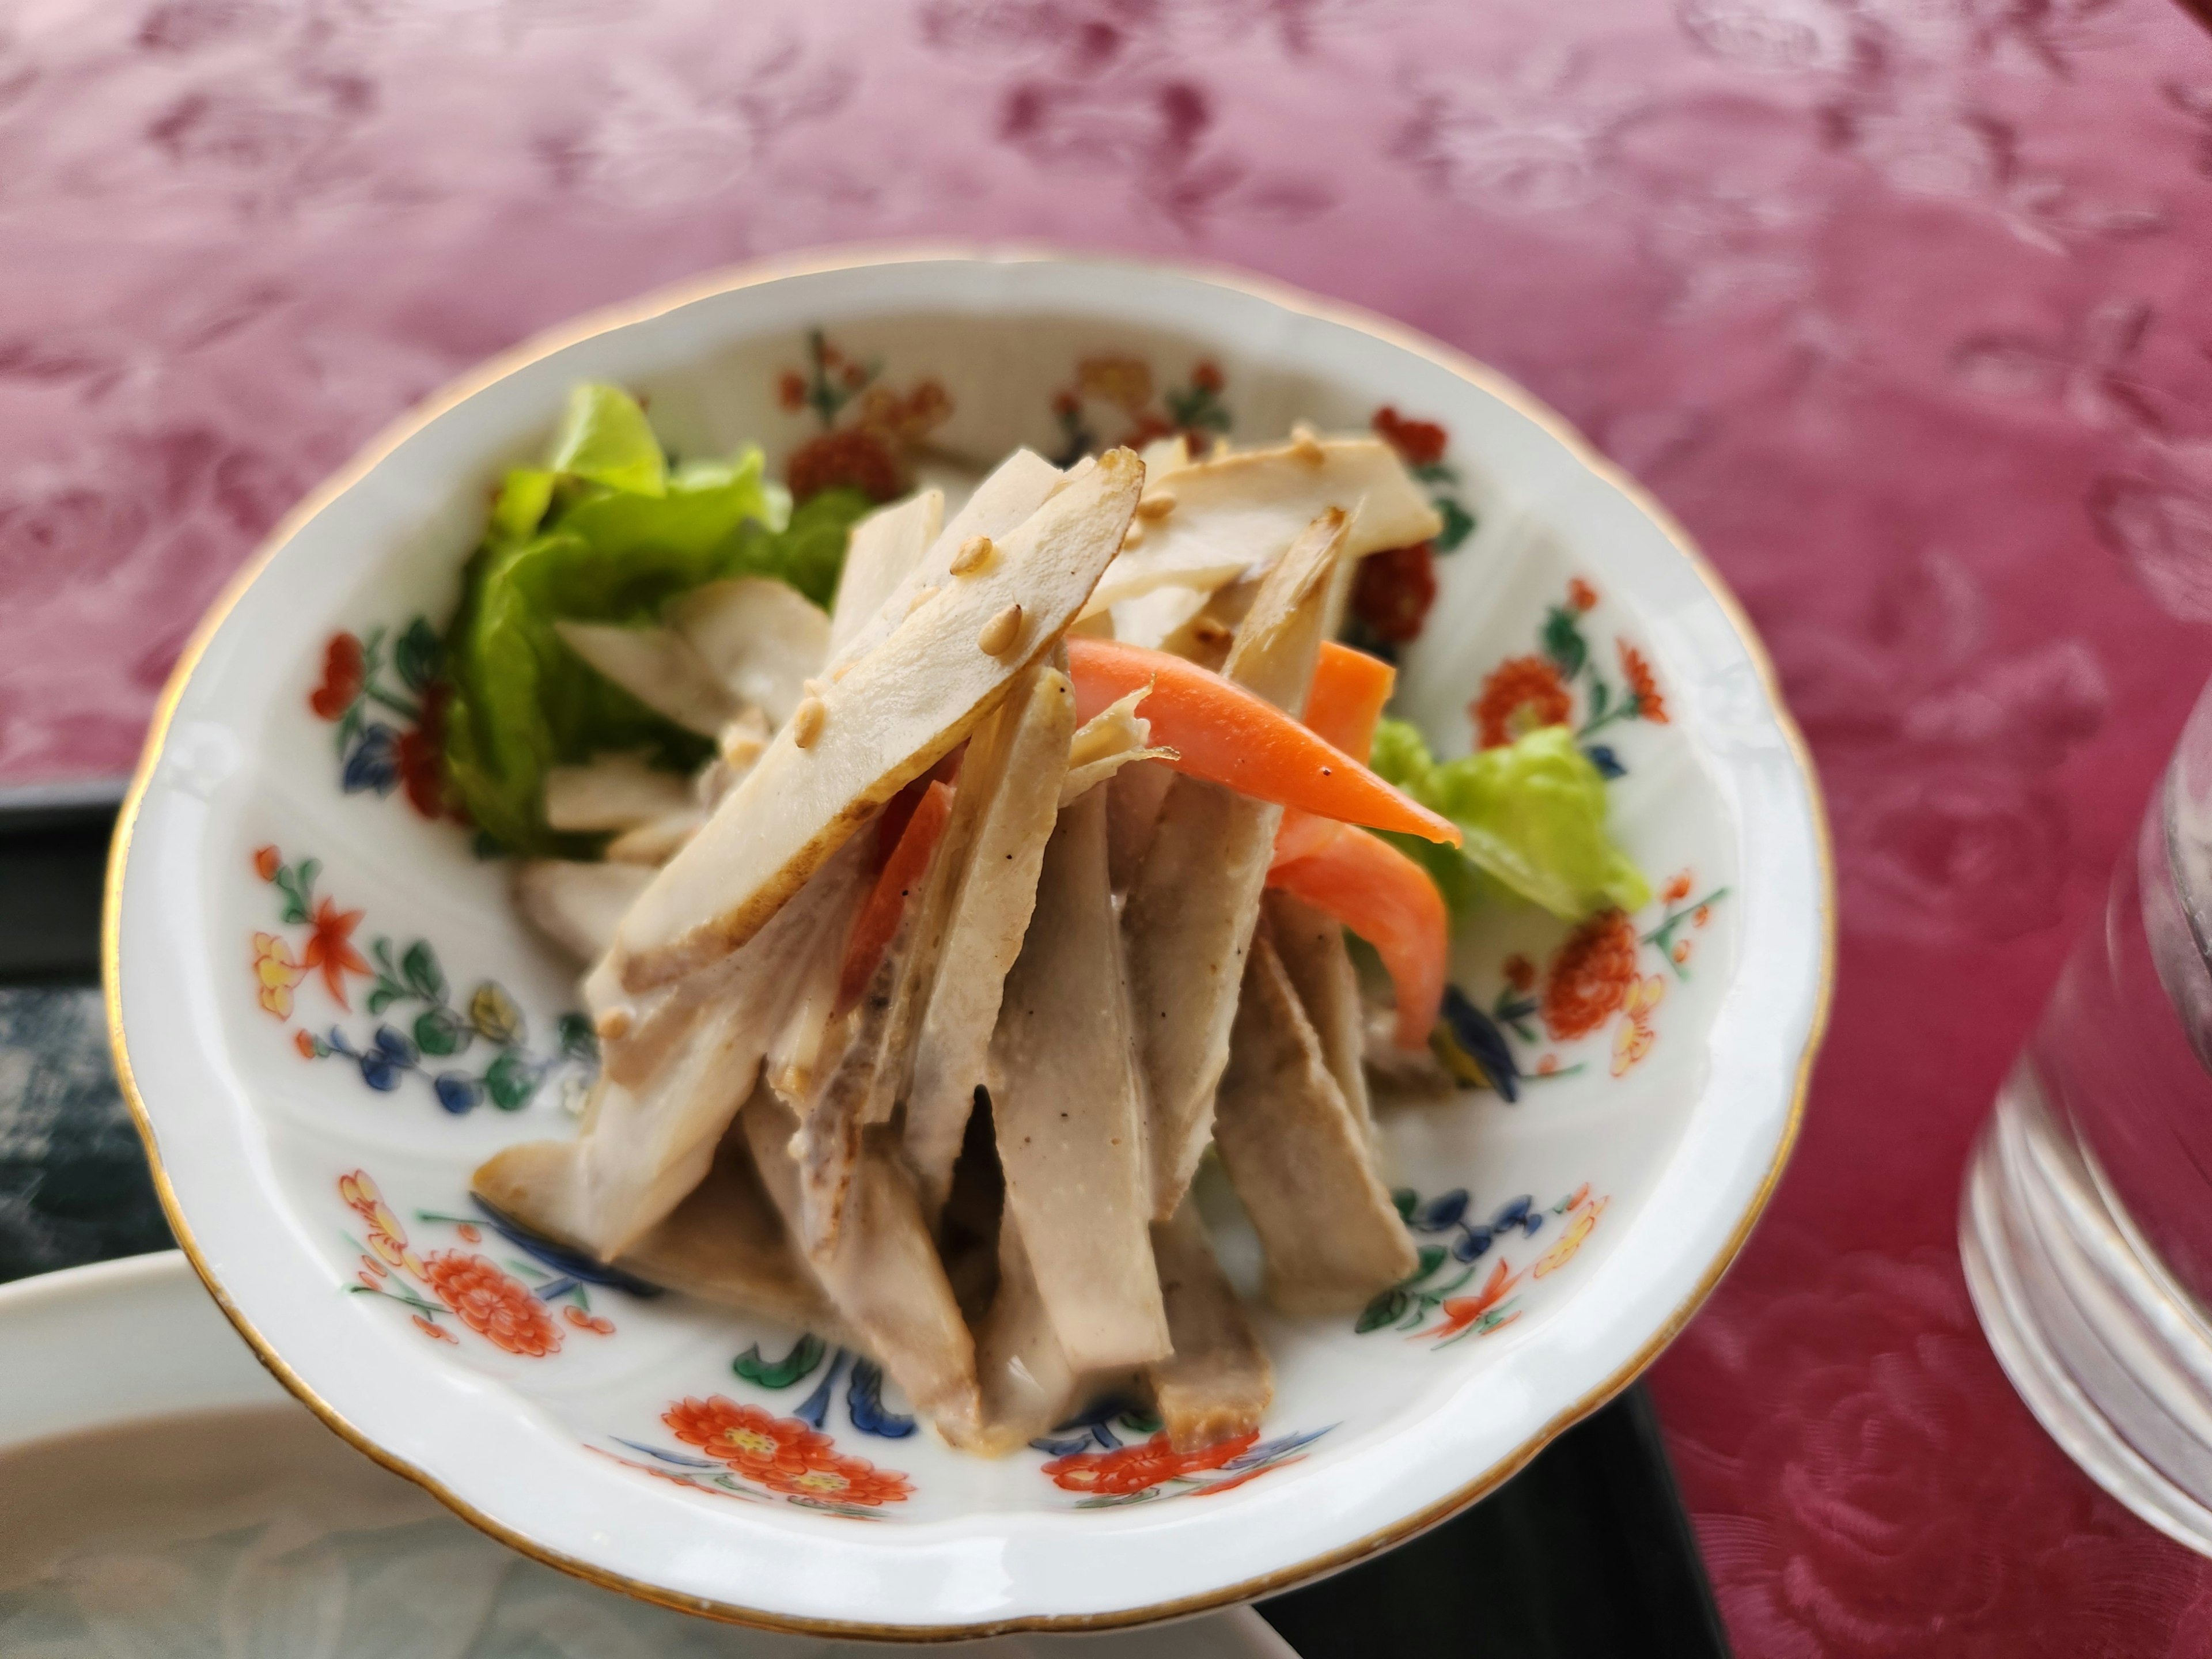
x=1584, y=1554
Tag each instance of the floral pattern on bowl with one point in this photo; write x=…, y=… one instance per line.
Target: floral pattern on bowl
x=265, y=1075
x=513, y=1317
x=411, y=979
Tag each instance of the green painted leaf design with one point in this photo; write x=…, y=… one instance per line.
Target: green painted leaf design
x=1459, y=523
x=1564, y=643
x=1404, y=1198
x=495, y=1016
x=578, y=1040
x=511, y=1080
x=439, y=1030
x=415, y=655
x=1431, y=1258
x=423, y=975
x=799, y=1364
x=1384, y=1310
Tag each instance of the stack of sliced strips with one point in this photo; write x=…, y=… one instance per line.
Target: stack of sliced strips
x=921, y=1006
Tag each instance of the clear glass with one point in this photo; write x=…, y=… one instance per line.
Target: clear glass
x=2085, y=1227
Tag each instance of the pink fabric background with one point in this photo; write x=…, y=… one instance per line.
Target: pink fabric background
x=1901, y=305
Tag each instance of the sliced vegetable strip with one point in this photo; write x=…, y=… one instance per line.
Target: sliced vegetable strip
x=1303, y=834
x=1388, y=900
x=1349, y=689
x=1229, y=736
x=901, y=875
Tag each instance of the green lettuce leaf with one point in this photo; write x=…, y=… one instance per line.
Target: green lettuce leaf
x=1533, y=813
x=604, y=438
x=605, y=533
x=809, y=551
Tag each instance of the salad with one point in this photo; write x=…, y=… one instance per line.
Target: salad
x=952, y=877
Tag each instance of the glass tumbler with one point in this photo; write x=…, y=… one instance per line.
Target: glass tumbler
x=2086, y=1225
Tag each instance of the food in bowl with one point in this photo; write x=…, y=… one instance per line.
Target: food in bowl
x=952, y=876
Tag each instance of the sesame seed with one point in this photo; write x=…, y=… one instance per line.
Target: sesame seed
x=806, y=721
x=973, y=554
x=614, y=1024
x=999, y=633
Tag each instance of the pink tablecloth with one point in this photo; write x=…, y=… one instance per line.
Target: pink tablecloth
x=1900, y=304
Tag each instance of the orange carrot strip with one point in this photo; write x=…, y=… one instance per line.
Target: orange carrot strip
x=1349, y=690
x=1390, y=902
x=1225, y=733
x=886, y=902
x=1301, y=835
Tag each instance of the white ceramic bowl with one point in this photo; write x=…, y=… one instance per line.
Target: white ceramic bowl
x=1571, y=1233
x=285, y=1552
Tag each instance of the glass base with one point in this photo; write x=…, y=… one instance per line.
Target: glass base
x=2114, y=1357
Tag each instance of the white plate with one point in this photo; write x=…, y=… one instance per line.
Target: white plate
x=314, y=1554
x=1576, y=1229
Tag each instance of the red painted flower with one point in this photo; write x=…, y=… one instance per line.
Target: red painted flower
x=1581, y=596
x=422, y=754
x=844, y=1480
x=1520, y=972
x=747, y=1438
x=854, y=459
x=1589, y=978
x=1461, y=1311
x=791, y=391
x=782, y=1454
x=304, y=1043
x=435, y=1331
x=1206, y=374
x=1131, y=1469
x=492, y=1303
x=1420, y=443
x=1650, y=705
x=1393, y=591
x=583, y=1320
x=345, y=669
x=1677, y=888
x=1520, y=694
x=267, y=861
x=1065, y=403
x=330, y=948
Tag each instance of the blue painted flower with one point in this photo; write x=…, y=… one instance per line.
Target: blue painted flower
x=374, y=762
x=1474, y=1049
x=458, y=1092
